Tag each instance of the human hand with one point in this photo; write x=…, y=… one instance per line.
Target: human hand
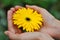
x=11, y=26
x=51, y=25
x=28, y=36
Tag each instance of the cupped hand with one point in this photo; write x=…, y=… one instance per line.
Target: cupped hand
x=51, y=25
x=11, y=27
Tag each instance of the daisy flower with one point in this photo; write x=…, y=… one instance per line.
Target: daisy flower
x=28, y=19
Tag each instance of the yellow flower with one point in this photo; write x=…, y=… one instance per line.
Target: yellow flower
x=27, y=18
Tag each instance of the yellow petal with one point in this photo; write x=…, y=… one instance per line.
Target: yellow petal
x=19, y=18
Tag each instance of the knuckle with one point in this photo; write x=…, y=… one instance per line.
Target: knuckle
x=11, y=8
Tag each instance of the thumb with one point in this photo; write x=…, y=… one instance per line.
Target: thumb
x=11, y=35
x=45, y=14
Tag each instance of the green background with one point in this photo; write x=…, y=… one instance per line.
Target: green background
x=53, y=6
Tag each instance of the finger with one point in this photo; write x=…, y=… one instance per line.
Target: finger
x=12, y=9
x=18, y=7
x=10, y=23
x=33, y=7
x=39, y=9
x=11, y=35
x=45, y=14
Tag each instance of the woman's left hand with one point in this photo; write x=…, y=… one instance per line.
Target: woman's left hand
x=28, y=36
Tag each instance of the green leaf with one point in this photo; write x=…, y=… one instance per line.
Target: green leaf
x=56, y=14
x=6, y=2
x=3, y=20
x=42, y=3
x=11, y=2
x=2, y=35
x=2, y=13
x=55, y=10
x=17, y=2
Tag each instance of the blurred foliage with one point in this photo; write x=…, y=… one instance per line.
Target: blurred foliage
x=53, y=6
x=2, y=35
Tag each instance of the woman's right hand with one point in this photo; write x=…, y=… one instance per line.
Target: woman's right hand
x=51, y=25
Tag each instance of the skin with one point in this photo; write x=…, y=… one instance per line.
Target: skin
x=51, y=26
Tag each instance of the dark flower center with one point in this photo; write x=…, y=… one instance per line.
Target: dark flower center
x=28, y=19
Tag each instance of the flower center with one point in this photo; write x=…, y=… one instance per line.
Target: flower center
x=27, y=19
